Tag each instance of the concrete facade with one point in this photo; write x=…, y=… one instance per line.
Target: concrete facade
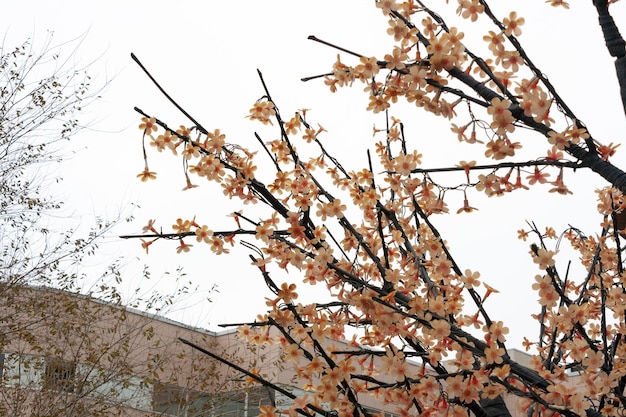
x=68, y=355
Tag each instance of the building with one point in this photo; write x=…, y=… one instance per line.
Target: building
x=69, y=355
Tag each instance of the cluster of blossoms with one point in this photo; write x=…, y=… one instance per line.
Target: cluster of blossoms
x=390, y=273
x=405, y=267
x=430, y=64
x=583, y=320
x=404, y=286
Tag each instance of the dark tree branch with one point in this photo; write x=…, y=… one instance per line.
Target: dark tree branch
x=614, y=43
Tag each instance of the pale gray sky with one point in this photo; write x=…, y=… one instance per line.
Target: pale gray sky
x=206, y=55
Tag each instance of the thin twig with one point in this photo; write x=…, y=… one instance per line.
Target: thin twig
x=162, y=90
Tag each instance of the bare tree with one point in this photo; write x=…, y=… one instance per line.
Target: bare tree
x=40, y=98
x=72, y=355
x=62, y=352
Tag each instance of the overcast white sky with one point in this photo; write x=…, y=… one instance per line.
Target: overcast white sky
x=206, y=55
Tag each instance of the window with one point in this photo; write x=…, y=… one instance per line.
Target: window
x=178, y=401
x=181, y=402
x=59, y=375
x=243, y=402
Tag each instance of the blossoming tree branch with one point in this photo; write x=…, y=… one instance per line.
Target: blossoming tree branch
x=367, y=236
